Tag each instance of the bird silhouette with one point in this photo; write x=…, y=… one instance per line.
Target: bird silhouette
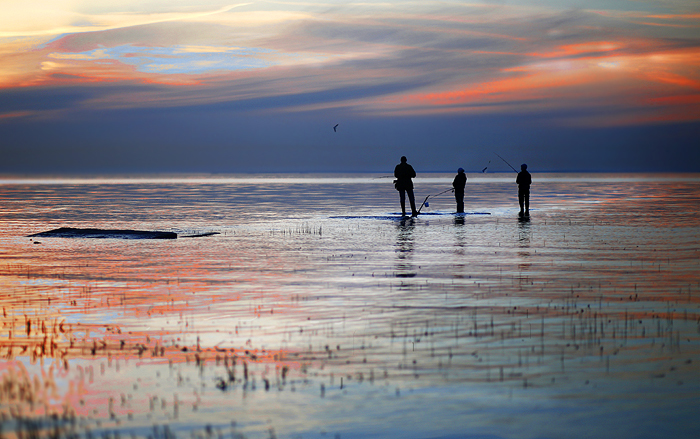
x=335, y=127
x=484, y=170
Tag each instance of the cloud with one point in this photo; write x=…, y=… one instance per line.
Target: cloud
x=14, y=114
x=37, y=18
x=378, y=59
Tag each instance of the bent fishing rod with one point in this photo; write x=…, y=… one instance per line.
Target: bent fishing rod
x=425, y=202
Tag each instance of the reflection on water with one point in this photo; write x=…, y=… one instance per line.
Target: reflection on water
x=317, y=311
x=404, y=247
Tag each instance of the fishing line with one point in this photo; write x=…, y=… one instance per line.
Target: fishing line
x=511, y=167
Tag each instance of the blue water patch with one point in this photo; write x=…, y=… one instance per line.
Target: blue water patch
x=181, y=59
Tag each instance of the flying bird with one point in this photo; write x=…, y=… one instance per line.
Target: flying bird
x=334, y=128
x=484, y=170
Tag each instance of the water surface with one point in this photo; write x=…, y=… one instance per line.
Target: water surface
x=317, y=311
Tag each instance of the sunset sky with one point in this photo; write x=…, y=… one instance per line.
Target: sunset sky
x=182, y=86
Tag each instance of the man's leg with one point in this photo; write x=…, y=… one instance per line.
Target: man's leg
x=521, y=200
x=412, y=199
x=402, y=196
x=527, y=202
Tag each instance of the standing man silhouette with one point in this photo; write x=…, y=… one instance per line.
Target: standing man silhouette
x=403, y=172
x=524, y=181
x=458, y=188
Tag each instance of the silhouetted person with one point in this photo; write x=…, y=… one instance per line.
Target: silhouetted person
x=458, y=188
x=524, y=181
x=403, y=183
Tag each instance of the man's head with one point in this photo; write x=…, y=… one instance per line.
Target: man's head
x=403, y=159
x=523, y=167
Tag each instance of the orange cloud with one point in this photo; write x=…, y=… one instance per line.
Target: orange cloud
x=15, y=114
x=693, y=99
x=675, y=16
x=644, y=88
x=580, y=48
x=675, y=79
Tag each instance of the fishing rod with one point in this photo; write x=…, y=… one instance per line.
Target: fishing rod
x=425, y=202
x=511, y=167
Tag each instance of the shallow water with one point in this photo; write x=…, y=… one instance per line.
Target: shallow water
x=316, y=311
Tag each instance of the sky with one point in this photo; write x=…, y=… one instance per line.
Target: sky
x=140, y=86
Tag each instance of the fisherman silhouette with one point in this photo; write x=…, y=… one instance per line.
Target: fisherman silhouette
x=403, y=183
x=458, y=188
x=524, y=181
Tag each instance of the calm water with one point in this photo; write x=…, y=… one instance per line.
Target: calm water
x=315, y=311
